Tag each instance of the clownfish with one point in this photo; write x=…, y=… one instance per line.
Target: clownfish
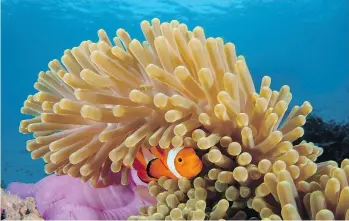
x=173, y=163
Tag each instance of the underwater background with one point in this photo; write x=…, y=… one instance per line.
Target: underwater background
x=301, y=43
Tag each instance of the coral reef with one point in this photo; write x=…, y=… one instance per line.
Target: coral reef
x=179, y=88
x=332, y=136
x=15, y=208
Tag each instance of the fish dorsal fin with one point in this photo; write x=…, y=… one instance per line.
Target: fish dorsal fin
x=171, y=157
x=158, y=153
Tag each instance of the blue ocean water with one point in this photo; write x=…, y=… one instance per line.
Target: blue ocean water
x=302, y=43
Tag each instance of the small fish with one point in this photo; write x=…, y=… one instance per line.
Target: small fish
x=173, y=163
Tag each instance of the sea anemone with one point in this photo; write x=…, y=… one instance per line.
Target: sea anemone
x=322, y=196
x=177, y=88
x=62, y=197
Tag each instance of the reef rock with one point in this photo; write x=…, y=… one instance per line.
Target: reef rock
x=15, y=208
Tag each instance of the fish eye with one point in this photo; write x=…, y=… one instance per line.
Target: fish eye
x=180, y=160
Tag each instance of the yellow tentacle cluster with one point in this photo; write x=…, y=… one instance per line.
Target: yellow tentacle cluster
x=105, y=100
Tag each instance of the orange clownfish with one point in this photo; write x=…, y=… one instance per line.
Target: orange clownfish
x=173, y=163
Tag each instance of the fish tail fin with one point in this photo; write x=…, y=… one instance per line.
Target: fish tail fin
x=140, y=166
x=139, y=162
